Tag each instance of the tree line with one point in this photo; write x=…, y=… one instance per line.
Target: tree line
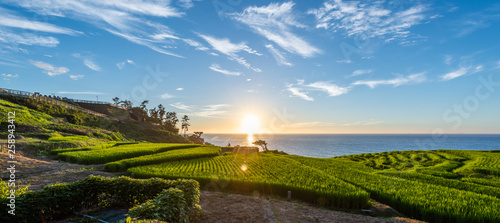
x=157, y=115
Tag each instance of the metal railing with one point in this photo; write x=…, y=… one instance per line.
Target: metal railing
x=40, y=97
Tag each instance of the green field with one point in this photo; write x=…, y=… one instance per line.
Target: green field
x=434, y=186
x=115, y=153
x=173, y=155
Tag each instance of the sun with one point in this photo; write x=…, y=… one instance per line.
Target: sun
x=250, y=124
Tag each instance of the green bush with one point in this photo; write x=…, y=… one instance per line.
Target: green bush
x=60, y=200
x=169, y=205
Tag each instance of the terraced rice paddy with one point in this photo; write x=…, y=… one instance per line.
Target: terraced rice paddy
x=434, y=186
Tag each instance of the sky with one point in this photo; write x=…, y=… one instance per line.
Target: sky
x=330, y=66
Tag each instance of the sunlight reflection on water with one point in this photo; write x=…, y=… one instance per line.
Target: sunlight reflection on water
x=250, y=139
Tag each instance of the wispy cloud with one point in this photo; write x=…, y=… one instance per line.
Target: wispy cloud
x=448, y=59
x=213, y=110
x=275, y=22
x=330, y=89
x=166, y=96
x=454, y=74
x=317, y=124
x=7, y=77
x=121, y=65
x=362, y=123
x=230, y=49
x=217, y=68
x=344, y=61
x=125, y=19
x=76, y=76
x=197, y=45
x=179, y=89
x=91, y=64
x=9, y=20
x=49, y=69
x=185, y=3
x=359, y=72
x=181, y=106
x=474, y=21
x=87, y=61
x=297, y=92
x=79, y=92
x=300, y=89
x=278, y=56
x=369, y=19
x=27, y=39
x=401, y=80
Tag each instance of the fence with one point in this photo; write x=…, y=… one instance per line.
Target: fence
x=39, y=97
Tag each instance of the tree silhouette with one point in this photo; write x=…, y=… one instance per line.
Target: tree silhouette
x=161, y=113
x=143, y=105
x=185, y=124
x=262, y=144
x=127, y=104
x=116, y=100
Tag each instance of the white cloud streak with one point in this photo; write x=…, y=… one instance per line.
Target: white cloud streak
x=296, y=92
x=76, y=77
x=278, y=56
x=121, y=65
x=454, y=74
x=368, y=19
x=9, y=20
x=122, y=18
x=299, y=89
x=360, y=72
x=275, y=22
x=91, y=65
x=49, y=69
x=217, y=68
x=197, y=45
x=166, y=96
x=225, y=46
x=28, y=39
x=410, y=79
x=209, y=111
x=331, y=89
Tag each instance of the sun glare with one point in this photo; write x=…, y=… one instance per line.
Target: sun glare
x=250, y=124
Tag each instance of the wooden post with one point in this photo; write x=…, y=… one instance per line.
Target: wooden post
x=289, y=195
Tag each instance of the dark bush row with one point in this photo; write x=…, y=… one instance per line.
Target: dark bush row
x=59, y=200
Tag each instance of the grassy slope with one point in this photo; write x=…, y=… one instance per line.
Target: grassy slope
x=42, y=127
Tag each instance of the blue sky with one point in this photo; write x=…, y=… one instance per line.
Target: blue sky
x=299, y=66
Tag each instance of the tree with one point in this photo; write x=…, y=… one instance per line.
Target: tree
x=196, y=138
x=262, y=144
x=127, y=104
x=116, y=100
x=143, y=105
x=153, y=114
x=185, y=124
x=161, y=113
x=171, y=118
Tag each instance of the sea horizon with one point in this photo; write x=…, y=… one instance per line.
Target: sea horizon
x=331, y=145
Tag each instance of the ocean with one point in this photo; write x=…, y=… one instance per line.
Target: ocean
x=330, y=145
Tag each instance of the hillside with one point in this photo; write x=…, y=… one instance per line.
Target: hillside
x=41, y=125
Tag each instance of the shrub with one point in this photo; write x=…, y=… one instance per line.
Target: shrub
x=59, y=200
x=169, y=205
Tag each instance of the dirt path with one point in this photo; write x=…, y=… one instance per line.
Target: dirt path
x=226, y=207
x=217, y=207
x=38, y=172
